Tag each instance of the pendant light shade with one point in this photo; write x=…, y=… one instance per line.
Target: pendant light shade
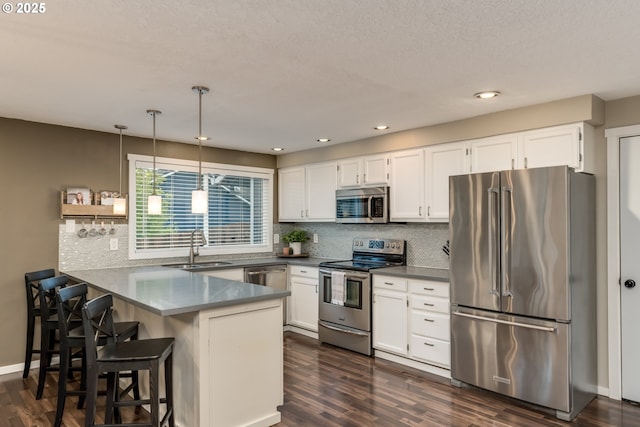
x=154, y=203
x=199, y=196
x=120, y=203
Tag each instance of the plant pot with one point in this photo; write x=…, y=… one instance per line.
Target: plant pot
x=296, y=247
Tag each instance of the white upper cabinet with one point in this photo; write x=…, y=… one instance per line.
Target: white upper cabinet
x=495, y=153
x=363, y=171
x=320, y=192
x=557, y=146
x=307, y=193
x=442, y=161
x=406, y=186
x=291, y=194
x=571, y=145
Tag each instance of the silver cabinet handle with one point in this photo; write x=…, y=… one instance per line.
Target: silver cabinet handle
x=429, y=289
x=388, y=283
x=428, y=305
x=526, y=162
x=507, y=322
x=428, y=210
x=364, y=178
x=429, y=320
x=420, y=210
x=429, y=344
x=301, y=213
x=358, y=179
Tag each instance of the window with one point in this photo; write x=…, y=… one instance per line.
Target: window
x=238, y=220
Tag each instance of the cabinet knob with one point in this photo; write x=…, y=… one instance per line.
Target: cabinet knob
x=630, y=283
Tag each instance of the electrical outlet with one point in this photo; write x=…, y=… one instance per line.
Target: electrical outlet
x=315, y=238
x=113, y=244
x=276, y=238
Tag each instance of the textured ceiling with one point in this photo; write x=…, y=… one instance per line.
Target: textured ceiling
x=286, y=72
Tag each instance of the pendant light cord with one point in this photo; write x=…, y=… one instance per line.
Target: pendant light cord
x=120, y=158
x=200, y=140
x=153, y=113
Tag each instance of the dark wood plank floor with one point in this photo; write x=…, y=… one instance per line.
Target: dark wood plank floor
x=328, y=386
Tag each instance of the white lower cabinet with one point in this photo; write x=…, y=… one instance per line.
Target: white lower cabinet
x=303, y=307
x=429, y=324
x=411, y=319
x=390, y=314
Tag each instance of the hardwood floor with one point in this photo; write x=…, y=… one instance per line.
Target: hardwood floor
x=328, y=386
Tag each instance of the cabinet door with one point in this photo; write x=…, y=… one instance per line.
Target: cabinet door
x=349, y=174
x=320, y=192
x=407, y=186
x=494, y=154
x=551, y=147
x=390, y=321
x=443, y=161
x=375, y=170
x=291, y=194
x=304, y=303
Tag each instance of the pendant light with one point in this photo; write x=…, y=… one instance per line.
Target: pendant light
x=199, y=196
x=120, y=203
x=154, y=203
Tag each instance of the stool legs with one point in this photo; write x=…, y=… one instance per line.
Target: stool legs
x=47, y=341
x=168, y=382
x=31, y=327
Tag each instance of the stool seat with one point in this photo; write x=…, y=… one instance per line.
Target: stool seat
x=131, y=352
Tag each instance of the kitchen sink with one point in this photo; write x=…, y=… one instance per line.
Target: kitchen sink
x=198, y=266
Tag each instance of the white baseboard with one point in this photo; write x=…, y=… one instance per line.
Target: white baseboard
x=19, y=367
x=432, y=369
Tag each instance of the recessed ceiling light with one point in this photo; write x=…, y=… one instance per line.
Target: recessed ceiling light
x=381, y=127
x=277, y=149
x=323, y=140
x=487, y=94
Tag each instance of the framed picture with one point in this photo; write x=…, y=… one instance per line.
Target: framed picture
x=78, y=196
x=106, y=197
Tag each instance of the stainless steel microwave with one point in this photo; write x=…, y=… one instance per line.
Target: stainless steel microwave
x=362, y=205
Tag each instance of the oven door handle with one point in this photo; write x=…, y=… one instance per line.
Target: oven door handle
x=347, y=274
x=347, y=331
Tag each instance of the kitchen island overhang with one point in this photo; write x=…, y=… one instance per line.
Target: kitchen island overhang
x=228, y=359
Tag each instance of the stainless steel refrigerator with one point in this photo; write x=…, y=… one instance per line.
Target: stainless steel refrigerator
x=523, y=296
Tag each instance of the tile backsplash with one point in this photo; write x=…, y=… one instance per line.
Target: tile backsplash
x=424, y=244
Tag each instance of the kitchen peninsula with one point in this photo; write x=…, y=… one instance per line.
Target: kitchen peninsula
x=228, y=356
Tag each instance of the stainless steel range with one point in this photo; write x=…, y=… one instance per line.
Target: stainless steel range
x=345, y=292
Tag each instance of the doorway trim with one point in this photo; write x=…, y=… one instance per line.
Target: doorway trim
x=613, y=136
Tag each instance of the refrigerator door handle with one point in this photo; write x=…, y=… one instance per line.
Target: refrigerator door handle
x=505, y=232
x=492, y=194
x=507, y=322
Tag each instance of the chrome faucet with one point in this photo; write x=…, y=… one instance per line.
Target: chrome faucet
x=193, y=253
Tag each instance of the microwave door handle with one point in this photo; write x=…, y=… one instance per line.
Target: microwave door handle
x=370, y=207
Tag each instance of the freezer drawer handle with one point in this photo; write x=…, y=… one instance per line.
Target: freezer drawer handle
x=506, y=322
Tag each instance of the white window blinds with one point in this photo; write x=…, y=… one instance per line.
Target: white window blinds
x=238, y=219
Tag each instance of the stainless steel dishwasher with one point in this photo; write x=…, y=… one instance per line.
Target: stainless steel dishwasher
x=274, y=276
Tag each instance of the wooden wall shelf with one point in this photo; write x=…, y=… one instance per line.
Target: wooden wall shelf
x=94, y=211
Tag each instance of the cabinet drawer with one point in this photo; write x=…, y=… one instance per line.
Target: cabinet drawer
x=390, y=282
x=428, y=287
x=431, y=350
x=423, y=302
x=430, y=324
x=299, y=270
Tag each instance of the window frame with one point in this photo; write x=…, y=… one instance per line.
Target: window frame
x=142, y=161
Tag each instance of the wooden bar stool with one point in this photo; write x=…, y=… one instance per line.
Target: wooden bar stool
x=70, y=301
x=114, y=357
x=48, y=326
x=31, y=280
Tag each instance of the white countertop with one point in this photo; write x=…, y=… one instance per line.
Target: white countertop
x=170, y=291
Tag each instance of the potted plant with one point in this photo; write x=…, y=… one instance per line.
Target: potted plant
x=295, y=239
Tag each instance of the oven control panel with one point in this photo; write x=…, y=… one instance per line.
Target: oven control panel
x=383, y=246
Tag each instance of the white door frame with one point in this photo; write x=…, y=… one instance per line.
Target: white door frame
x=613, y=136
